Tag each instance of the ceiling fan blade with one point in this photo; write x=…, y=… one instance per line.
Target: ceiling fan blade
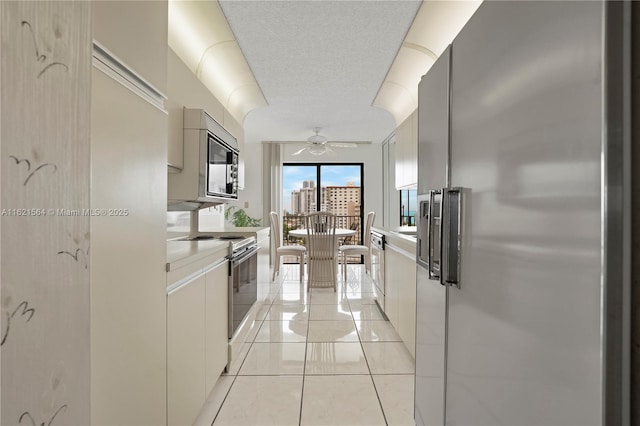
x=343, y=144
x=300, y=151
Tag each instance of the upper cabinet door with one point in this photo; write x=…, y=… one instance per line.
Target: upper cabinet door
x=406, y=153
x=139, y=39
x=433, y=125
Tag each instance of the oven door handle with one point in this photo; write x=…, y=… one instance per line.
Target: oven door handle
x=247, y=254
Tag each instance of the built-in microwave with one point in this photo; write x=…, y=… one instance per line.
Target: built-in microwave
x=210, y=165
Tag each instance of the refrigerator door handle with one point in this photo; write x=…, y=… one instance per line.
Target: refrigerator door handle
x=422, y=255
x=434, y=225
x=452, y=199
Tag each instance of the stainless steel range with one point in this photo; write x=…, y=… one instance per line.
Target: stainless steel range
x=243, y=279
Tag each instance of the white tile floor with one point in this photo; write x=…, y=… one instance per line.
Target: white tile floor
x=318, y=358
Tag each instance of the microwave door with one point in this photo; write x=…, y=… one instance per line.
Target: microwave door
x=216, y=169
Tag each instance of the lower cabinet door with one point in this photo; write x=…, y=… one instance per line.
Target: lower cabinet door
x=392, y=272
x=400, y=294
x=186, y=352
x=216, y=326
x=407, y=305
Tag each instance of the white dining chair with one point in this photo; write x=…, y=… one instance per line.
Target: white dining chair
x=293, y=250
x=322, y=250
x=359, y=249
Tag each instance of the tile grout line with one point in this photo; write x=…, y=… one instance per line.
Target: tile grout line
x=304, y=365
x=375, y=388
x=223, y=400
x=235, y=376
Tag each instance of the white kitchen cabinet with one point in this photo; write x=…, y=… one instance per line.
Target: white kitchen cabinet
x=392, y=274
x=407, y=305
x=197, y=335
x=186, y=350
x=264, y=275
x=390, y=202
x=400, y=293
x=128, y=175
x=184, y=89
x=216, y=326
x=140, y=37
x=128, y=255
x=406, y=153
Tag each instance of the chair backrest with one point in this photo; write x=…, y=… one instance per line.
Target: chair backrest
x=275, y=229
x=349, y=238
x=367, y=230
x=321, y=231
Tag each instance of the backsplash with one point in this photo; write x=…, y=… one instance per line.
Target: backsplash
x=211, y=218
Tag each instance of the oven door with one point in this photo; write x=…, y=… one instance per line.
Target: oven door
x=243, y=287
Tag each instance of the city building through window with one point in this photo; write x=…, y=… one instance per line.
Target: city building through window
x=408, y=207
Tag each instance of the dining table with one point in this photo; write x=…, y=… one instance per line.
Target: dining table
x=340, y=233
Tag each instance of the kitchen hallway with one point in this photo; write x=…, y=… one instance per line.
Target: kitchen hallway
x=317, y=358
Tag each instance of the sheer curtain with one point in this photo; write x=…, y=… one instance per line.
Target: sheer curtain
x=271, y=179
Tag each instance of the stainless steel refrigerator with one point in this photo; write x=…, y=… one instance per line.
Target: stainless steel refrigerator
x=521, y=311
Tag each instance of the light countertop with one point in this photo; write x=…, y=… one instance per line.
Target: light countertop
x=405, y=232
x=183, y=253
x=402, y=237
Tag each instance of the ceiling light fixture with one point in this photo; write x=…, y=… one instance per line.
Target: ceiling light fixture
x=317, y=149
x=200, y=35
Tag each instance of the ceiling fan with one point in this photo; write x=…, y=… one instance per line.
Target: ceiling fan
x=319, y=145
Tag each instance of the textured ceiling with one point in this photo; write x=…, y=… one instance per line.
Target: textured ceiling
x=319, y=64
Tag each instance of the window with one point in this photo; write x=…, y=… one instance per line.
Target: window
x=408, y=207
x=340, y=184
x=336, y=188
